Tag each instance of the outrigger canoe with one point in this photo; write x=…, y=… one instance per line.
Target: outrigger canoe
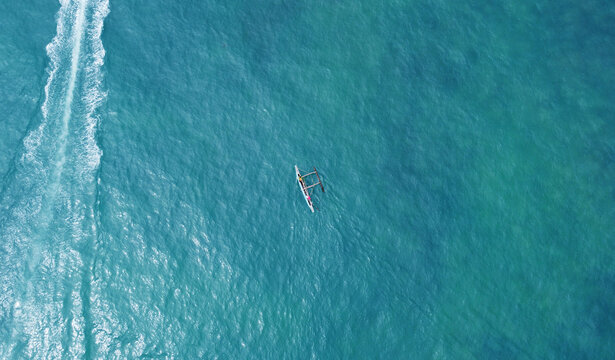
x=305, y=189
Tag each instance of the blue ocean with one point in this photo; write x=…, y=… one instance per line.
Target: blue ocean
x=149, y=207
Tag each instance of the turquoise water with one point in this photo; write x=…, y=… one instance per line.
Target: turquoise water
x=148, y=205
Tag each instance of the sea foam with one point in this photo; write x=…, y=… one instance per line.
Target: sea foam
x=48, y=202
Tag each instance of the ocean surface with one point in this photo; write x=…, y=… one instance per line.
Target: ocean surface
x=149, y=208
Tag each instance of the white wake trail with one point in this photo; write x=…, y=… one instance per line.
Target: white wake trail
x=68, y=102
x=47, y=210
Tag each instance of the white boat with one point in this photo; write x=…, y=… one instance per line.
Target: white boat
x=305, y=189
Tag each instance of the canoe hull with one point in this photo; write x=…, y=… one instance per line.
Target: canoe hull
x=304, y=190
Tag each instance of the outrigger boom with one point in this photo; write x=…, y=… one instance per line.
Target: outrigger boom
x=305, y=188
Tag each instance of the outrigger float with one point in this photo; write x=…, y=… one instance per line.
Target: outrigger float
x=307, y=190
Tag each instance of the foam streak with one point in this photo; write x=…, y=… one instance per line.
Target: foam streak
x=74, y=68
